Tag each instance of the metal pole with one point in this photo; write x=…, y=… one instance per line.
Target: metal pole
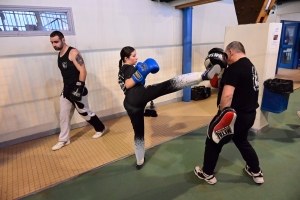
x=187, y=48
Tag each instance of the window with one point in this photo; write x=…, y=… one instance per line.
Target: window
x=34, y=21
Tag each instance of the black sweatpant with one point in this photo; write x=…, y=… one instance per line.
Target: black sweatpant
x=243, y=123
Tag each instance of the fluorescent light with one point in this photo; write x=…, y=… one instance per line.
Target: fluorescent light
x=268, y=4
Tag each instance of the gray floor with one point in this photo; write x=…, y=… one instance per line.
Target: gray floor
x=168, y=173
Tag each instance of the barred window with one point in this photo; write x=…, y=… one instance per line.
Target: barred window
x=34, y=21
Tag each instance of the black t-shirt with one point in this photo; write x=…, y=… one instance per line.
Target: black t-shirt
x=126, y=72
x=243, y=76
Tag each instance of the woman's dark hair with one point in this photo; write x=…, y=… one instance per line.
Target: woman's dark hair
x=57, y=33
x=125, y=52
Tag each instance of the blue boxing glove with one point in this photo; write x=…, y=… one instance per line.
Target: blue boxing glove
x=143, y=69
x=144, y=80
x=154, y=68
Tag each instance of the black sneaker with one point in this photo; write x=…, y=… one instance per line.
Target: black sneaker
x=257, y=177
x=139, y=166
x=210, y=179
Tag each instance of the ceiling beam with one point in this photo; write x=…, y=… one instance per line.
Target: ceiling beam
x=194, y=3
x=254, y=11
x=264, y=13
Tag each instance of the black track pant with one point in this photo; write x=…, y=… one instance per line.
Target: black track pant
x=243, y=123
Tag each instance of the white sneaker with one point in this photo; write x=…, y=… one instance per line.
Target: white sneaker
x=211, y=72
x=298, y=113
x=210, y=179
x=99, y=134
x=257, y=177
x=60, y=145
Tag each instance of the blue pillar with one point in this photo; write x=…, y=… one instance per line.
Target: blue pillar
x=187, y=48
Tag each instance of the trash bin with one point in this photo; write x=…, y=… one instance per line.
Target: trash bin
x=276, y=95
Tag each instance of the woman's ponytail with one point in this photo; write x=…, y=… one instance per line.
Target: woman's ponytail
x=120, y=63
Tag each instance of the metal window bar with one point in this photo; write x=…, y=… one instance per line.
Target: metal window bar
x=27, y=21
x=34, y=20
x=55, y=20
x=7, y=20
x=1, y=26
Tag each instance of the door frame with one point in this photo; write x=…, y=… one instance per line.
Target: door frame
x=296, y=43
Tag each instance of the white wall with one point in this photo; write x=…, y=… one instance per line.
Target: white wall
x=286, y=11
x=31, y=81
x=101, y=24
x=209, y=22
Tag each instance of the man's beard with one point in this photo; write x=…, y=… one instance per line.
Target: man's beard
x=58, y=48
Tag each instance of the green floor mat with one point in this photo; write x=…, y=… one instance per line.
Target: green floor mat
x=168, y=172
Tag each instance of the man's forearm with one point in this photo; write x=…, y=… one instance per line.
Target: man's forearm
x=225, y=102
x=226, y=97
x=82, y=76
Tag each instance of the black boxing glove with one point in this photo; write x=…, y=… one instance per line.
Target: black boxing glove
x=76, y=94
x=216, y=56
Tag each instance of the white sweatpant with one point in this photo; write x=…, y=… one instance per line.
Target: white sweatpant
x=66, y=113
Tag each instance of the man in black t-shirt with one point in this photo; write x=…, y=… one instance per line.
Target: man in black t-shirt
x=239, y=90
x=74, y=93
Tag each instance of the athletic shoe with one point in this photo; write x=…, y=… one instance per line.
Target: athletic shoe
x=60, y=145
x=210, y=179
x=211, y=72
x=257, y=177
x=140, y=164
x=99, y=134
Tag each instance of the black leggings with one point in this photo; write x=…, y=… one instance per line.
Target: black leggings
x=136, y=103
x=137, y=98
x=243, y=123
